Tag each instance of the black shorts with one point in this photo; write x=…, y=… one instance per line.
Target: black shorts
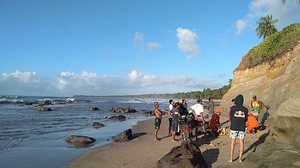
x=157, y=123
x=170, y=122
x=194, y=124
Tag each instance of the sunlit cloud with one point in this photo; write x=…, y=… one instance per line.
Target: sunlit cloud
x=285, y=13
x=187, y=42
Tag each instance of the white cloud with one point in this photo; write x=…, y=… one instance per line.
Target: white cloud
x=89, y=83
x=138, y=37
x=66, y=74
x=187, y=42
x=139, y=42
x=134, y=74
x=285, y=13
x=23, y=77
x=240, y=26
x=153, y=46
x=141, y=80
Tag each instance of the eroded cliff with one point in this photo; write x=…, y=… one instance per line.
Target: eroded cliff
x=276, y=84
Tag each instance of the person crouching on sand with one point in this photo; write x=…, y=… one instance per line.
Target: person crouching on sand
x=214, y=123
x=252, y=124
x=157, y=121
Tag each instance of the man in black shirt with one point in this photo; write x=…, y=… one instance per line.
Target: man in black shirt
x=238, y=118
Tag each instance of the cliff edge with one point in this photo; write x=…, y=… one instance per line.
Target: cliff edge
x=277, y=84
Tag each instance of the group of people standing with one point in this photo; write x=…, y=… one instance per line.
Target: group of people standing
x=239, y=117
x=179, y=110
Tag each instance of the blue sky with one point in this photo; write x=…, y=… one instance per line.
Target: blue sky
x=113, y=47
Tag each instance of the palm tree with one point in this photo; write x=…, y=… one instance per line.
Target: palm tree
x=266, y=26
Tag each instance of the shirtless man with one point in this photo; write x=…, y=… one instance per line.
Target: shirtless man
x=157, y=121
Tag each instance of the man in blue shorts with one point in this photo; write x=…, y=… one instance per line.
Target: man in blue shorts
x=238, y=118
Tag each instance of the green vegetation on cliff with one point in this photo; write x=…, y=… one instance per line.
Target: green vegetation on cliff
x=273, y=46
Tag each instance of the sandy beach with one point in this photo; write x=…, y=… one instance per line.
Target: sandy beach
x=143, y=151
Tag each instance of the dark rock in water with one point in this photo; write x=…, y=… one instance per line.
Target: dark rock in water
x=124, y=110
x=80, y=140
x=119, y=117
x=148, y=113
x=94, y=109
x=187, y=155
x=98, y=125
x=41, y=108
x=124, y=136
x=45, y=102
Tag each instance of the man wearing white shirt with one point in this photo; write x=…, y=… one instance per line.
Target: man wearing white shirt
x=197, y=110
x=171, y=102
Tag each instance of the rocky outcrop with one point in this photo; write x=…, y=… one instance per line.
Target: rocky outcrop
x=186, y=155
x=276, y=84
x=124, y=110
x=80, y=140
x=94, y=109
x=98, y=125
x=119, y=117
x=123, y=136
x=42, y=108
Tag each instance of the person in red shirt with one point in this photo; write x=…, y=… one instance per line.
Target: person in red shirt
x=214, y=122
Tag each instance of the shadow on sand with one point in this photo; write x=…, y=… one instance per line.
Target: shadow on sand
x=260, y=140
x=211, y=156
x=136, y=135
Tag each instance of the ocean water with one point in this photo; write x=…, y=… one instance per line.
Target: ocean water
x=29, y=138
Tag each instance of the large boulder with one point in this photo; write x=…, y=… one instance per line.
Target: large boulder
x=187, y=155
x=273, y=153
x=80, y=140
x=123, y=136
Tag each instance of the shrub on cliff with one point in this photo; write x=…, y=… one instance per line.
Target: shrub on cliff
x=273, y=46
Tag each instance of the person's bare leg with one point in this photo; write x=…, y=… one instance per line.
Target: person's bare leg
x=232, y=144
x=173, y=137
x=155, y=135
x=196, y=133
x=241, y=150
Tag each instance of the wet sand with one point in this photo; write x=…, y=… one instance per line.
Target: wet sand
x=143, y=151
